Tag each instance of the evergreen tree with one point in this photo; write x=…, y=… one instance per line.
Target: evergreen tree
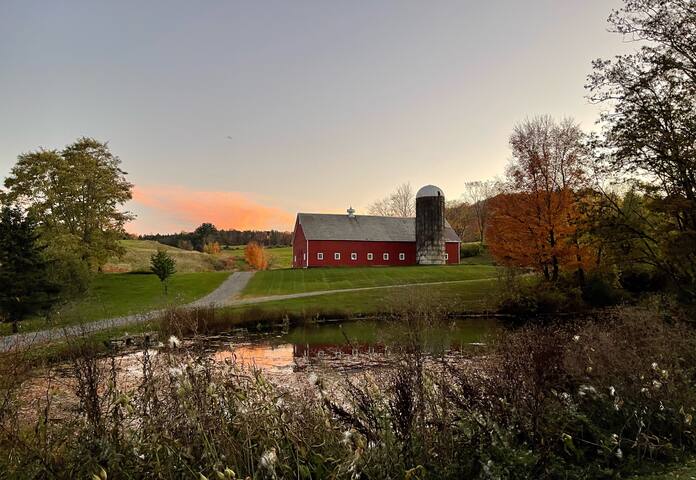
x=24, y=285
x=163, y=266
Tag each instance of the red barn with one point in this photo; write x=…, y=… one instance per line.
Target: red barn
x=328, y=240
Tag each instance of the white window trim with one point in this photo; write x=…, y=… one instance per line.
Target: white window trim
x=337, y=255
x=304, y=255
x=402, y=256
x=446, y=256
x=385, y=256
x=370, y=256
x=353, y=256
x=320, y=255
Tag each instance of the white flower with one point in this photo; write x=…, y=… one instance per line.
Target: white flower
x=612, y=391
x=664, y=373
x=175, y=371
x=643, y=390
x=585, y=389
x=576, y=338
x=656, y=384
x=280, y=402
x=614, y=439
x=174, y=342
x=269, y=459
x=313, y=379
x=662, y=407
x=347, y=435
x=654, y=365
x=619, y=453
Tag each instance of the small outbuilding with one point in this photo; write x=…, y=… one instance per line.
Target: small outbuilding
x=330, y=240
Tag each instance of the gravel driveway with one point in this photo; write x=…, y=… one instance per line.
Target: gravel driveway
x=225, y=294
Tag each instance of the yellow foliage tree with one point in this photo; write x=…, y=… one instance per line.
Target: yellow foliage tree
x=212, y=248
x=255, y=256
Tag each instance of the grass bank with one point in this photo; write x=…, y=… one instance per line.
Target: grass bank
x=114, y=295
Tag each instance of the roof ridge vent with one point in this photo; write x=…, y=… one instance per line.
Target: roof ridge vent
x=351, y=212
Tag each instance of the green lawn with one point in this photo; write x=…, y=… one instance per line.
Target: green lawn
x=278, y=257
x=278, y=282
x=116, y=294
x=471, y=296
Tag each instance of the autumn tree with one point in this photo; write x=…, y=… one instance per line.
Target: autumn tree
x=255, y=256
x=649, y=129
x=400, y=203
x=75, y=194
x=25, y=287
x=477, y=195
x=534, y=222
x=162, y=265
x=212, y=248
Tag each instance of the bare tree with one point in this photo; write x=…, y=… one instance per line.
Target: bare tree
x=400, y=203
x=477, y=194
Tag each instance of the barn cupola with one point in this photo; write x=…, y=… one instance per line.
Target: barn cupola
x=351, y=212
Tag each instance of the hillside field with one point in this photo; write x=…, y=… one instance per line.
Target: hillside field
x=138, y=252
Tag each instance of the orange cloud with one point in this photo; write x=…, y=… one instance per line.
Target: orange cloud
x=173, y=208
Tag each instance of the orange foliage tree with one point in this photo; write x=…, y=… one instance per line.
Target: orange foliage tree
x=256, y=256
x=535, y=222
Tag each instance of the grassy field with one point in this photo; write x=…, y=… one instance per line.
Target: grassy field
x=113, y=295
x=138, y=253
x=471, y=296
x=278, y=257
x=281, y=282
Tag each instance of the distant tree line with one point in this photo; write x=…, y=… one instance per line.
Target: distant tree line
x=207, y=237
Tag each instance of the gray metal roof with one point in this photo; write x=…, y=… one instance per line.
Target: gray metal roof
x=322, y=226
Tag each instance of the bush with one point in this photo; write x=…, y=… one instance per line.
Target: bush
x=599, y=291
x=468, y=250
x=540, y=298
x=642, y=279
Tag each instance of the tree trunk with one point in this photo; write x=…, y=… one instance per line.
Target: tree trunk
x=15, y=326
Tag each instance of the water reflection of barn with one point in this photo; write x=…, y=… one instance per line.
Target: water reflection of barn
x=306, y=350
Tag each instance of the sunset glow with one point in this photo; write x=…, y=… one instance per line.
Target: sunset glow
x=174, y=208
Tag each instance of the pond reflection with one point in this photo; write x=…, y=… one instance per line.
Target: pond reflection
x=346, y=345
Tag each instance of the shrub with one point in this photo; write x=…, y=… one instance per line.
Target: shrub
x=468, y=250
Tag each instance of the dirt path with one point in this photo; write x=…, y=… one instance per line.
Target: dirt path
x=227, y=294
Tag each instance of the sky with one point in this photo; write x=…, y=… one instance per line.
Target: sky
x=243, y=113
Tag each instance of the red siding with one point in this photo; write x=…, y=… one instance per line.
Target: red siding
x=346, y=247
x=299, y=247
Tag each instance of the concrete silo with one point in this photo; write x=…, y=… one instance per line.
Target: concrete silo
x=430, y=226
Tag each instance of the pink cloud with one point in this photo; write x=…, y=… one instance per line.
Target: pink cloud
x=174, y=208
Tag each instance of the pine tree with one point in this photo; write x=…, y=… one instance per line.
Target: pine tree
x=163, y=266
x=24, y=285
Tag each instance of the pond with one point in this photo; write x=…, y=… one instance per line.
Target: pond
x=344, y=345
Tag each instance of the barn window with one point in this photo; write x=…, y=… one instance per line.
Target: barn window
x=320, y=255
x=446, y=256
x=353, y=256
x=337, y=256
x=304, y=256
x=402, y=256
x=385, y=256
x=370, y=256
x=294, y=258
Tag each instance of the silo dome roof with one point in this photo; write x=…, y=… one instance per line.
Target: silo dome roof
x=430, y=191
